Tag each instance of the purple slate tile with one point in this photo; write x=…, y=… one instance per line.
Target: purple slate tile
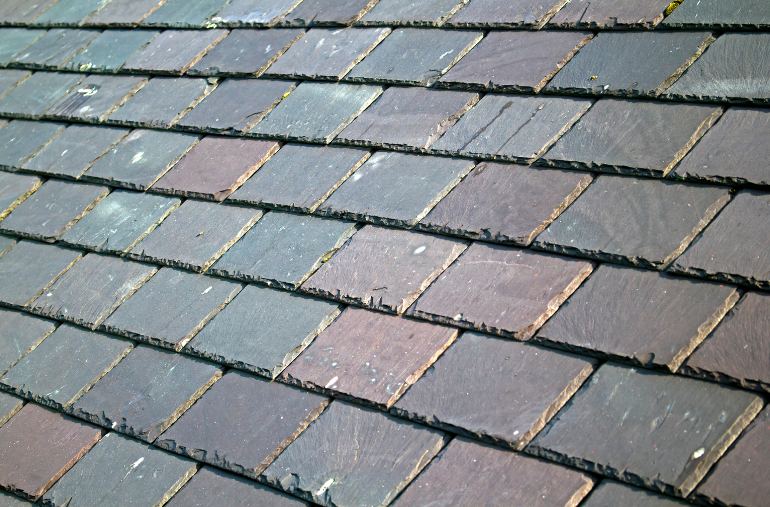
x=14, y=40
x=109, y=51
x=20, y=12
x=408, y=13
x=37, y=94
x=610, y=14
x=20, y=333
x=54, y=49
x=124, y=13
x=610, y=493
x=69, y=12
x=20, y=140
x=184, y=13
x=510, y=14
x=747, y=15
x=174, y=51
x=10, y=78
x=253, y=13
x=96, y=98
x=14, y=188
x=327, y=13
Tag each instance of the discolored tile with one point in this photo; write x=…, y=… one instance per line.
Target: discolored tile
x=327, y=13
x=630, y=425
x=15, y=40
x=37, y=94
x=9, y=406
x=746, y=14
x=174, y=51
x=610, y=493
x=19, y=334
x=124, y=13
x=384, y=269
x=110, y=50
x=406, y=12
x=54, y=49
x=184, y=13
x=253, y=13
x=499, y=290
x=69, y=12
x=639, y=222
x=96, y=98
x=10, y=78
x=14, y=188
x=221, y=430
x=510, y=14
x=612, y=14
x=20, y=140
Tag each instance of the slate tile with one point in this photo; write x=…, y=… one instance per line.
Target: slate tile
x=300, y=177
x=52, y=209
x=22, y=12
x=283, y=249
x=327, y=53
x=54, y=49
x=161, y=102
x=639, y=222
x=630, y=424
x=14, y=188
x=236, y=106
x=89, y=291
x=411, y=56
x=253, y=13
x=468, y=473
x=9, y=500
x=124, y=13
x=9, y=406
x=384, y=269
x=184, y=13
x=96, y=98
x=19, y=334
x=514, y=128
x=14, y=40
x=734, y=69
x=174, y=51
x=396, y=189
x=110, y=50
x=612, y=14
x=5, y=244
x=510, y=14
x=120, y=471
x=37, y=94
x=505, y=291
x=316, y=112
x=140, y=158
x=354, y=456
x=327, y=13
x=196, y=234
x=69, y=12
x=119, y=221
x=734, y=247
x=72, y=152
x=146, y=392
x=408, y=118
x=610, y=493
x=10, y=78
x=28, y=268
x=221, y=430
x=408, y=13
x=38, y=446
x=671, y=316
x=514, y=61
x=748, y=14
x=617, y=63
x=181, y=303
x=20, y=140
x=245, y=53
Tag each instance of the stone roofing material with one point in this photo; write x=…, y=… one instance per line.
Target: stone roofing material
x=174, y=51
x=96, y=97
x=54, y=49
x=69, y=12
x=37, y=94
x=327, y=13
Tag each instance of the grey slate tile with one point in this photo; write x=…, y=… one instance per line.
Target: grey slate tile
x=110, y=50
x=9, y=500
x=396, y=189
x=14, y=40
x=37, y=94
x=9, y=406
x=20, y=140
x=283, y=249
x=96, y=98
x=629, y=424
x=746, y=14
x=174, y=51
x=23, y=11
x=69, y=12
x=408, y=13
x=5, y=244
x=327, y=13
x=253, y=13
x=54, y=49
x=639, y=222
x=19, y=334
x=184, y=13
x=14, y=188
x=612, y=14
x=610, y=493
x=10, y=78
x=124, y=13
x=510, y=14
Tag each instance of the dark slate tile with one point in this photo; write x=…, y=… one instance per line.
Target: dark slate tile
x=140, y=158
x=10, y=78
x=5, y=244
x=14, y=188
x=184, y=13
x=181, y=303
x=603, y=14
x=71, y=153
x=221, y=430
x=37, y=94
x=396, y=189
x=236, y=105
x=124, y=13
x=9, y=406
x=413, y=56
x=89, y=291
x=110, y=50
x=510, y=14
x=19, y=334
x=196, y=234
x=354, y=456
x=9, y=500
x=408, y=118
x=734, y=69
x=38, y=446
x=161, y=102
x=21, y=140
x=119, y=221
x=174, y=51
x=734, y=247
x=505, y=291
x=654, y=430
x=52, y=209
x=96, y=98
x=610, y=493
x=514, y=61
x=747, y=14
x=522, y=386
x=327, y=13
x=245, y=53
x=467, y=473
x=618, y=63
x=299, y=177
x=283, y=249
x=120, y=471
x=54, y=49
x=14, y=40
x=253, y=13
x=316, y=112
x=639, y=222
x=671, y=316
x=22, y=12
x=327, y=53
x=28, y=268
x=384, y=269
x=69, y=12
x=408, y=13
x=146, y=392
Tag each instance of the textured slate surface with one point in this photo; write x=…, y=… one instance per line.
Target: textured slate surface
x=405, y=12
x=54, y=48
x=14, y=188
x=20, y=333
x=221, y=429
x=9, y=78
x=499, y=290
x=20, y=140
x=37, y=94
x=110, y=50
x=610, y=493
x=624, y=421
x=510, y=14
x=9, y=406
x=240, y=13
x=69, y=12
x=327, y=13
x=14, y=40
x=262, y=330
x=5, y=244
x=124, y=13
x=174, y=51
x=96, y=97
x=384, y=269
x=370, y=457
x=9, y=500
x=714, y=13
x=622, y=14
x=29, y=268
x=184, y=13
x=23, y=11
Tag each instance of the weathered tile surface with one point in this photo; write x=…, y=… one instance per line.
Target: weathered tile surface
x=37, y=94
x=9, y=500
x=630, y=425
x=174, y=51
x=10, y=78
x=718, y=14
x=384, y=269
x=124, y=13
x=23, y=11
x=69, y=12
x=14, y=188
x=184, y=13
x=110, y=50
x=20, y=140
x=96, y=97
x=54, y=49
x=327, y=13
x=9, y=406
x=509, y=14
x=220, y=429
x=239, y=13
x=610, y=493
x=19, y=334
x=14, y=40
x=28, y=268
x=6, y=243
x=406, y=12
x=604, y=14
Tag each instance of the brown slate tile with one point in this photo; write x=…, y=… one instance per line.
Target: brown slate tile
x=327, y=13
x=9, y=406
x=610, y=493
x=510, y=14
x=37, y=446
x=37, y=94
x=20, y=140
x=670, y=316
x=639, y=222
x=253, y=13
x=654, y=430
x=14, y=188
x=384, y=269
x=54, y=49
x=19, y=334
x=612, y=14
x=14, y=40
x=174, y=51
x=196, y=234
x=369, y=357
x=10, y=78
x=467, y=473
x=221, y=430
x=96, y=98
x=354, y=456
x=110, y=50
x=505, y=291
x=752, y=14
x=408, y=13
x=22, y=11
x=69, y=12
x=123, y=13
x=184, y=13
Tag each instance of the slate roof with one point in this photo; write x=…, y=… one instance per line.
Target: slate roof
x=368, y=253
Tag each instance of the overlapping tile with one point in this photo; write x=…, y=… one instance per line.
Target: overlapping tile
x=9, y=406
x=510, y=14
x=610, y=493
x=10, y=78
x=20, y=140
x=54, y=49
x=253, y=13
x=327, y=13
x=174, y=51
x=110, y=50
x=610, y=14
x=14, y=188
x=184, y=13
x=28, y=268
x=19, y=334
x=124, y=13
x=69, y=12
x=96, y=97
x=37, y=94
x=15, y=40
x=405, y=12
x=23, y=11
x=751, y=14
x=6, y=243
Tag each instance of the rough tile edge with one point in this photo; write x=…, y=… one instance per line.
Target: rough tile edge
x=216, y=21
x=415, y=23
x=175, y=72
x=641, y=24
x=731, y=278
x=760, y=386
x=328, y=24
x=538, y=24
x=27, y=304
x=19, y=200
